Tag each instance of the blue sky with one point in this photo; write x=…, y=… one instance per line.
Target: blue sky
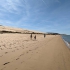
x=38, y=15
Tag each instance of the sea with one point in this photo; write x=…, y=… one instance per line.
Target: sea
x=66, y=39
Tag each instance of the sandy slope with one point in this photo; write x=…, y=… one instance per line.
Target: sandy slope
x=12, y=29
x=19, y=52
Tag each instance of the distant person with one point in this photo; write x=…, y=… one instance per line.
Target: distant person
x=44, y=35
x=31, y=36
x=35, y=37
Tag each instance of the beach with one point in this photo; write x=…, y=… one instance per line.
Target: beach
x=19, y=52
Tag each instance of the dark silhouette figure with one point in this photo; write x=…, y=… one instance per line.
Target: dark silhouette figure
x=35, y=37
x=31, y=36
x=44, y=35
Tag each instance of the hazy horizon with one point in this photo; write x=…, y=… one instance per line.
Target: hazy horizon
x=38, y=15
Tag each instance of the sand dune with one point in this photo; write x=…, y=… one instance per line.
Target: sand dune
x=19, y=52
x=6, y=29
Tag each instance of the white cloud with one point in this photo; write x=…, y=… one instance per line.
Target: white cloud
x=44, y=2
x=4, y=22
x=12, y=6
x=27, y=7
x=15, y=7
x=18, y=7
x=9, y=23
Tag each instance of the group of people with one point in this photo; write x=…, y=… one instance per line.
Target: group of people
x=35, y=36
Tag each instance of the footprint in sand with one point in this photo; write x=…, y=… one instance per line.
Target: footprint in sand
x=6, y=52
x=30, y=50
x=10, y=48
x=21, y=54
x=1, y=55
x=13, y=51
x=17, y=58
x=26, y=52
x=6, y=63
x=16, y=68
x=22, y=62
x=17, y=49
x=4, y=45
x=1, y=48
x=23, y=48
x=36, y=52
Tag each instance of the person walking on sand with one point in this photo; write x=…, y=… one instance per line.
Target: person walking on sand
x=44, y=35
x=31, y=36
x=35, y=37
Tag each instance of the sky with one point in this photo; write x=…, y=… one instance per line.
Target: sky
x=38, y=15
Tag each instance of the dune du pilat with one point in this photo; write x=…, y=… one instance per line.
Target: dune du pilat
x=22, y=49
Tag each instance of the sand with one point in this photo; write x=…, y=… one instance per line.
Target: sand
x=19, y=52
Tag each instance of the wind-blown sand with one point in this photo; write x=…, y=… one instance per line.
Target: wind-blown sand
x=19, y=52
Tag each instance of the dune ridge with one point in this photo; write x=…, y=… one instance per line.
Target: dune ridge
x=6, y=29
